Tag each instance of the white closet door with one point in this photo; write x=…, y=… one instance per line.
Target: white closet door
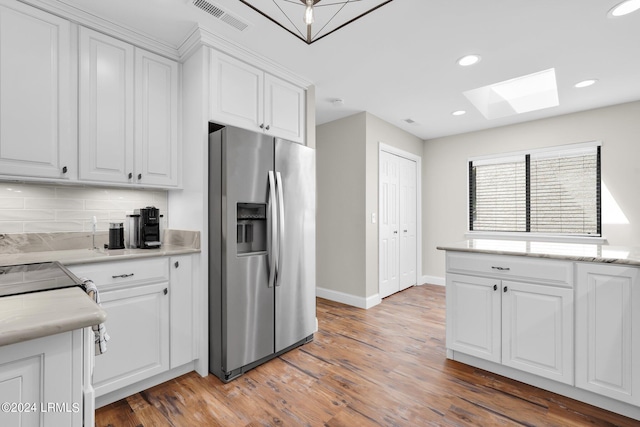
x=389, y=224
x=408, y=226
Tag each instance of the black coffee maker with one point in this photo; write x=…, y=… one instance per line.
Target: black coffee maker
x=144, y=228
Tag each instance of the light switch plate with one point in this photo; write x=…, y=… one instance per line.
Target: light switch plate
x=373, y=218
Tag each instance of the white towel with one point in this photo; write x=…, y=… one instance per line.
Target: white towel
x=99, y=331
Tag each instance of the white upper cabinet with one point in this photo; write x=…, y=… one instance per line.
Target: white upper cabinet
x=156, y=120
x=120, y=144
x=245, y=96
x=36, y=137
x=106, y=108
x=284, y=109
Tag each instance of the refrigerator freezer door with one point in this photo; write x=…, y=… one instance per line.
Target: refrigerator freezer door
x=296, y=285
x=248, y=309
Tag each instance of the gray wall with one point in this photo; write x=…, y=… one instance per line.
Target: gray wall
x=444, y=171
x=347, y=174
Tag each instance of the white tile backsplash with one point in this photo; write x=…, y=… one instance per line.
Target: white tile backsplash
x=38, y=208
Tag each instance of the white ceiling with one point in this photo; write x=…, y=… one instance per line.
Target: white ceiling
x=399, y=61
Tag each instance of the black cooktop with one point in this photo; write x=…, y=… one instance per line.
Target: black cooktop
x=42, y=276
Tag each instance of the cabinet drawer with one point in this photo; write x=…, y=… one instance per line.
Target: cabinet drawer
x=549, y=271
x=124, y=273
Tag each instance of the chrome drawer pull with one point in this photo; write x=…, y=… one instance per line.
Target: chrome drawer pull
x=122, y=276
x=501, y=268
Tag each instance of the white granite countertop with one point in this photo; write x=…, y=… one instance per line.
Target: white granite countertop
x=34, y=315
x=585, y=252
x=29, y=316
x=85, y=256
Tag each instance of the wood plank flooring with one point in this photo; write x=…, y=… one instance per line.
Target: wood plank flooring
x=384, y=366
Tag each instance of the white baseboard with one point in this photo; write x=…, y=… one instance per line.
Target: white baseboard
x=349, y=299
x=433, y=280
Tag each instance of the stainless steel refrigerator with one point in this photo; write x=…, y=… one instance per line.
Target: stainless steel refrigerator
x=262, y=208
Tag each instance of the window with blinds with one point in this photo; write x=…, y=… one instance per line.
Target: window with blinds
x=547, y=191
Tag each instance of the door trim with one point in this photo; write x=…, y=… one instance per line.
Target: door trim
x=382, y=147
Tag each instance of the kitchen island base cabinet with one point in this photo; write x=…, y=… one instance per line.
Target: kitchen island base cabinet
x=41, y=382
x=608, y=331
x=514, y=316
x=524, y=325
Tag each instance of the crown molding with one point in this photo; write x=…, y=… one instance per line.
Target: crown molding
x=129, y=35
x=200, y=36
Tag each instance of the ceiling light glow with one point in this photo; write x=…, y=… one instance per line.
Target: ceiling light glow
x=585, y=83
x=624, y=8
x=459, y=113
x=467, y=60
x=523, y=94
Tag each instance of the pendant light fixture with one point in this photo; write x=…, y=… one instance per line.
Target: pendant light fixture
x=308, y=12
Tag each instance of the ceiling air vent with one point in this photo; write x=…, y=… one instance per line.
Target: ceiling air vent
x=218, y=12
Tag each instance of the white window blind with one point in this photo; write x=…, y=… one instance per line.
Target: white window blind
x=550, y=192
x=498, y=195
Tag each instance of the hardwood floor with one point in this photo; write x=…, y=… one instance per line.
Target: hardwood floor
x=384, y=366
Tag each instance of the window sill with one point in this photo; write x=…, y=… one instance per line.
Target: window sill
x=534, y=237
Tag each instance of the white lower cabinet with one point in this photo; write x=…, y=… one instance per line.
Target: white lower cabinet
x=608, y=331
x=522, y=325
x=138, y=324
x=41, y=382
x=181, y=311
x=537, y=329
x=149, y=305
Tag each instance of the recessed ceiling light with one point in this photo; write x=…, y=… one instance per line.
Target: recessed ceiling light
x=459, y=113
x=467, y=60
x=585, y=83
x=624, y=8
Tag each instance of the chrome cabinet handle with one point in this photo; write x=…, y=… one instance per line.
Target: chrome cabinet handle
x=395, y=232
x=64, y=169
x=122, y=276
x=505, y=289
x=139, y=176
x=261, y=125
x=177, y=264
x=166, y=291
x=130, y=175
x=268, y=126
x=495, y=287
x=501, y=268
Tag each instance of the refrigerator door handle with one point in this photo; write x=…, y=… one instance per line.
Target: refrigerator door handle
x=272, y=231
x=280, y=227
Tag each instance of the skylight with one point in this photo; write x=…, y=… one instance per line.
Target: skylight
x=532, y=92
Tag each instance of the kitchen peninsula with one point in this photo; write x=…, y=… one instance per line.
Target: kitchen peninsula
x=559, y=316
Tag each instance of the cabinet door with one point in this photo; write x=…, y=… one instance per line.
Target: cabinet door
x=181, y=310
x=607, y=332
x=237, y=92
x=473, y=316
x=106, y=108
x=537, y=329
x=36, y=137
x=156, y=142
x=40, y=372
x=284, y=109
x=138, y=325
